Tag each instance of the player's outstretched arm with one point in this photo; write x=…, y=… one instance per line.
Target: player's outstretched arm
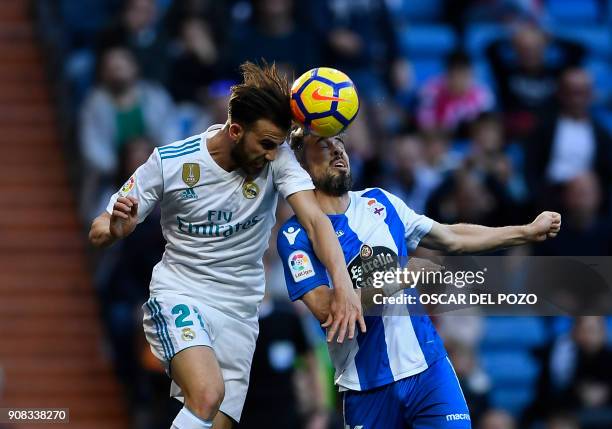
x=108, y=228
x=345, y=308
x=465, y=238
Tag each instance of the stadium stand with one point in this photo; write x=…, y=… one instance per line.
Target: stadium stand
x=51, y=338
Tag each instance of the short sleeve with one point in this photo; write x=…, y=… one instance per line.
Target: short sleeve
x=303, y=270
x=289, y=176
x=416, y=226
x=146, y=185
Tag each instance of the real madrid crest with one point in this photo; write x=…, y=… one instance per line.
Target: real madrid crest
x=191, y=173
x=188, y=334
x=250, y=190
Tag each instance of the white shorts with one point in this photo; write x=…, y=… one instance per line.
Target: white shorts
x=176, y=322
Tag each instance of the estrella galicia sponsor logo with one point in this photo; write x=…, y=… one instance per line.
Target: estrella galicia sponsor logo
x=212, y=229
x=301, y=266
x=368, y=261
x=188, y=194
x=454, y=417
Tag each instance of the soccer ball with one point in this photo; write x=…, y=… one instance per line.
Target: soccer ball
x=324, y=101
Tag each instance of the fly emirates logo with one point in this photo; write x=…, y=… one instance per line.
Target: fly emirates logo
x=218, y=224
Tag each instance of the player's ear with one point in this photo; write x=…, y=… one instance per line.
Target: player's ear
x=236, y=131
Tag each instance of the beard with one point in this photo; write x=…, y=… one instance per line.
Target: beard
x=242, y=160
x=337, y=185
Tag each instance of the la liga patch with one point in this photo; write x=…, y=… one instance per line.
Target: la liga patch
x=128, y=186
x=300, y=265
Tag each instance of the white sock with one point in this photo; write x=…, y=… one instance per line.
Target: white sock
x=185, y=419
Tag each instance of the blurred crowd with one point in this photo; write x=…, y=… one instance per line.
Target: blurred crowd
x=481, y=111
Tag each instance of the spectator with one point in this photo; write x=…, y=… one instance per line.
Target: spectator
x=585, y=232
x=497, y=419
x=489, y=154
x=280, y=344
x=419, y=165
x=571, y=142
x=196, y=63
x=120, y=108
x=216, y=15
x=274, y=35
x=137, y=28
x=526, y=82
x=475, y=383
x=450, y=100
x=576, y=375
x=361, y=41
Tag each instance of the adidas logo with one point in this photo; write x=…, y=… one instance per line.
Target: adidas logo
x=188, y=194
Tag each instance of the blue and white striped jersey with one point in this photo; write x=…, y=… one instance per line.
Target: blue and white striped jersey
x=375, y=234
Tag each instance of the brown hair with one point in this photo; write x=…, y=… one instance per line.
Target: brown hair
x=264, y=94
x=296, y=142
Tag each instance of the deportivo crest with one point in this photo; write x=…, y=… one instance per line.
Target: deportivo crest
x=250, y=190
x=128, y=186
x=191, y=173
x=376, y=208
x=301, y=266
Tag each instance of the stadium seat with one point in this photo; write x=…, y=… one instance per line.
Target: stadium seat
x=573, y=11
x=509, y=368
x=596, y=39
x=411, y=10
x=513, y=400
x=427, y=40
x=514, y=332
x=425, y=69
x=479, y=36
x=600, y=72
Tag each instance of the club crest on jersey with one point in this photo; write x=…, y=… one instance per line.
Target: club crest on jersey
x=366, y=252
x=250, y=190
x=127, y=186
x=187, y=334
x=191, y=173
x=301, y=266
x=376, y=208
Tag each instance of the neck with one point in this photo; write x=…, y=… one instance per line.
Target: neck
x=220, y=149
x=332, y=205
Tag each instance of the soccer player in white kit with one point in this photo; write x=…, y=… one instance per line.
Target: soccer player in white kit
x=218, y=193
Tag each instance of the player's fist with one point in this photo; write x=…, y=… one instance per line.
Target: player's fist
x=546, y=225
x=124, y=217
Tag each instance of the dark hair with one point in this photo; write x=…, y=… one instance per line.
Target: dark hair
x=296, y=142
x=264, y=94
x=458, y=60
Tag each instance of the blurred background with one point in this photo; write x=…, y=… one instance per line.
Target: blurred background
x=482, y=111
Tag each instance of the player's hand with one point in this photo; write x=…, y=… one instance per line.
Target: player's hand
x=546, y=225
x=124, y=217
x=345, y=311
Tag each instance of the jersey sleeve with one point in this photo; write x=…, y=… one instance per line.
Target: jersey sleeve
x=146, y=185
x=289, y=176
x=303, y=270
x=416, y=226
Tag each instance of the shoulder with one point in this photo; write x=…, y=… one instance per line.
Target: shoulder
x=181, y=148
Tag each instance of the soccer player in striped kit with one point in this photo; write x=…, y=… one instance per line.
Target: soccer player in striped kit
x=397, y=374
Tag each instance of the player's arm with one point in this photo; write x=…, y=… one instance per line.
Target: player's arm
x=345, y=309
x=467, y=238
x=107, y=228
x=318, y=300
x=130, y=205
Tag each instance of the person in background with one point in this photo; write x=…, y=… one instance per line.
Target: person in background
x=137, y=27
x=497, y=419
x=570, y=142
x=120, y=108
x=454, y=98
x=562, y=421
x=281, y=345
x=526, y=81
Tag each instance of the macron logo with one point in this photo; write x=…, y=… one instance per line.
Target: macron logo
x=453, y=417
x=291, y=234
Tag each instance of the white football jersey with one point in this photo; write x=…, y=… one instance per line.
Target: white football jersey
x=216, y=223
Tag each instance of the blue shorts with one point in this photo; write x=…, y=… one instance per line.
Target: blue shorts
x=431, y=399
